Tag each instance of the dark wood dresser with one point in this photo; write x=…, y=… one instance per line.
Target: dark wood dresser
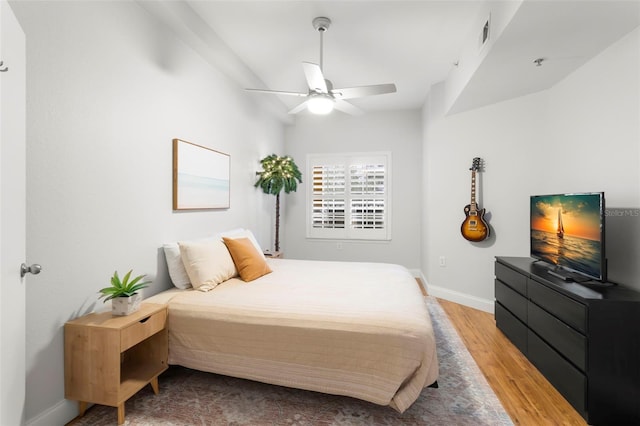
x=584, y=338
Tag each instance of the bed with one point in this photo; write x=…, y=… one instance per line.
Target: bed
x=355, y=329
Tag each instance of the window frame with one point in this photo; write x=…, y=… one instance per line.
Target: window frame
x=347, y=161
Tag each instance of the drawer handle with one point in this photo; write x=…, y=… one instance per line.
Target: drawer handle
x=143, y=320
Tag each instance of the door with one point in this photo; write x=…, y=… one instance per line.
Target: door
x=12, y=217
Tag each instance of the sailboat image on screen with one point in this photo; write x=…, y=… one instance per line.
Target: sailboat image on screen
x=567, y=234
x=560, y=232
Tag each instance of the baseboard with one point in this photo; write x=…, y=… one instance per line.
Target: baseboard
x=59, y=414
x=417, y=274
x=454, y=296
x=461, y=298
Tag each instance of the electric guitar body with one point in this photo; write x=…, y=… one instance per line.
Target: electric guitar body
x=474, y=227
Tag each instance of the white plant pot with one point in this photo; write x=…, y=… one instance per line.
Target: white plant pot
x=125, y=305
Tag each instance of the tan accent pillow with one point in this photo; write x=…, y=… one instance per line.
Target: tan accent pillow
x=207, y=262
x=249, y=262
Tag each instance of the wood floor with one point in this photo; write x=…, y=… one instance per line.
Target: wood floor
x=526, y=395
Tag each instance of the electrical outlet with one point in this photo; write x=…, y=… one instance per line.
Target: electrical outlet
x=339, y=245
x=442, y=261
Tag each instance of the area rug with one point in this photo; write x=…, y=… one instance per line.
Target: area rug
x=189, y=397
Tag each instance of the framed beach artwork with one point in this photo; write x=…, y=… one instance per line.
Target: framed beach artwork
x=200, y=177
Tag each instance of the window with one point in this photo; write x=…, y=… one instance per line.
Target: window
x=349, y=196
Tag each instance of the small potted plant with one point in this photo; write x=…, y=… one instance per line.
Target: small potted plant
x=123, y=294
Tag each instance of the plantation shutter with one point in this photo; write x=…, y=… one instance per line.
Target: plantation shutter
x=349, y=196
x=329, y=185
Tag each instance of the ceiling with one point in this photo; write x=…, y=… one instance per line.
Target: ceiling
x=414, y=44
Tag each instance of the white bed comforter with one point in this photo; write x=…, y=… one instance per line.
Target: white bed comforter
x=344, y=328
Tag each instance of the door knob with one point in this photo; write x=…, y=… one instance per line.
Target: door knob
x=33, y=269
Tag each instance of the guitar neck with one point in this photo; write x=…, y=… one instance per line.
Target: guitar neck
x=473, y=205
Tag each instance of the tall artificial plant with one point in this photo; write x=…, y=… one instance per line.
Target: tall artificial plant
x=278, y=173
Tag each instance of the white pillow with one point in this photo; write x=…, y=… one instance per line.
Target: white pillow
x=243, y=233
x=178, y=274
x=207, y=262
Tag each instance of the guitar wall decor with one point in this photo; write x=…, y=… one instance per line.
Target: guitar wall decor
x=474, y=228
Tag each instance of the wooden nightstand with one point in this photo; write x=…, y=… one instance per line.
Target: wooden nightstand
x=274, y=254
x=107, y=359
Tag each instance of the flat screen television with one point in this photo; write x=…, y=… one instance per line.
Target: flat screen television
x=567, y=232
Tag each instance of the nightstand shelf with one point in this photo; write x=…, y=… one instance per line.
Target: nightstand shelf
x=110, y=358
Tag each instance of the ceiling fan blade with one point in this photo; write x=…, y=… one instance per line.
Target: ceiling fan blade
x=298, y=108
x=347, y=107
x=277, y=92
x=362, y=91
x=315, y=78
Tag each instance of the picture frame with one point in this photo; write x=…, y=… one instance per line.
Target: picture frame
x=201, y=177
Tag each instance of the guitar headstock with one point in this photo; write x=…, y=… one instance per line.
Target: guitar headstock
x=476, y=165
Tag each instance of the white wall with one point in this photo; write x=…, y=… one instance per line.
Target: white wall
x=581, y=135
x=108, y=88
x=398, y=132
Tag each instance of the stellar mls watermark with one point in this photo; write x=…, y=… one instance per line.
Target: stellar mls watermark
x=621, y=212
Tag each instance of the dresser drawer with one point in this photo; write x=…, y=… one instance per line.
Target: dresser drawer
x=140, y=330
x=513, y=279
x=569, y=311
x=567, y=379
x=512, y=300
x=571, y=344
x=512, y=327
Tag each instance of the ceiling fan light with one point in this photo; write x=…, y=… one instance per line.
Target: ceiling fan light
x=321, y=105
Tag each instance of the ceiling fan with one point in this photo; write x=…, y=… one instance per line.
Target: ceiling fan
x=322, y=98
